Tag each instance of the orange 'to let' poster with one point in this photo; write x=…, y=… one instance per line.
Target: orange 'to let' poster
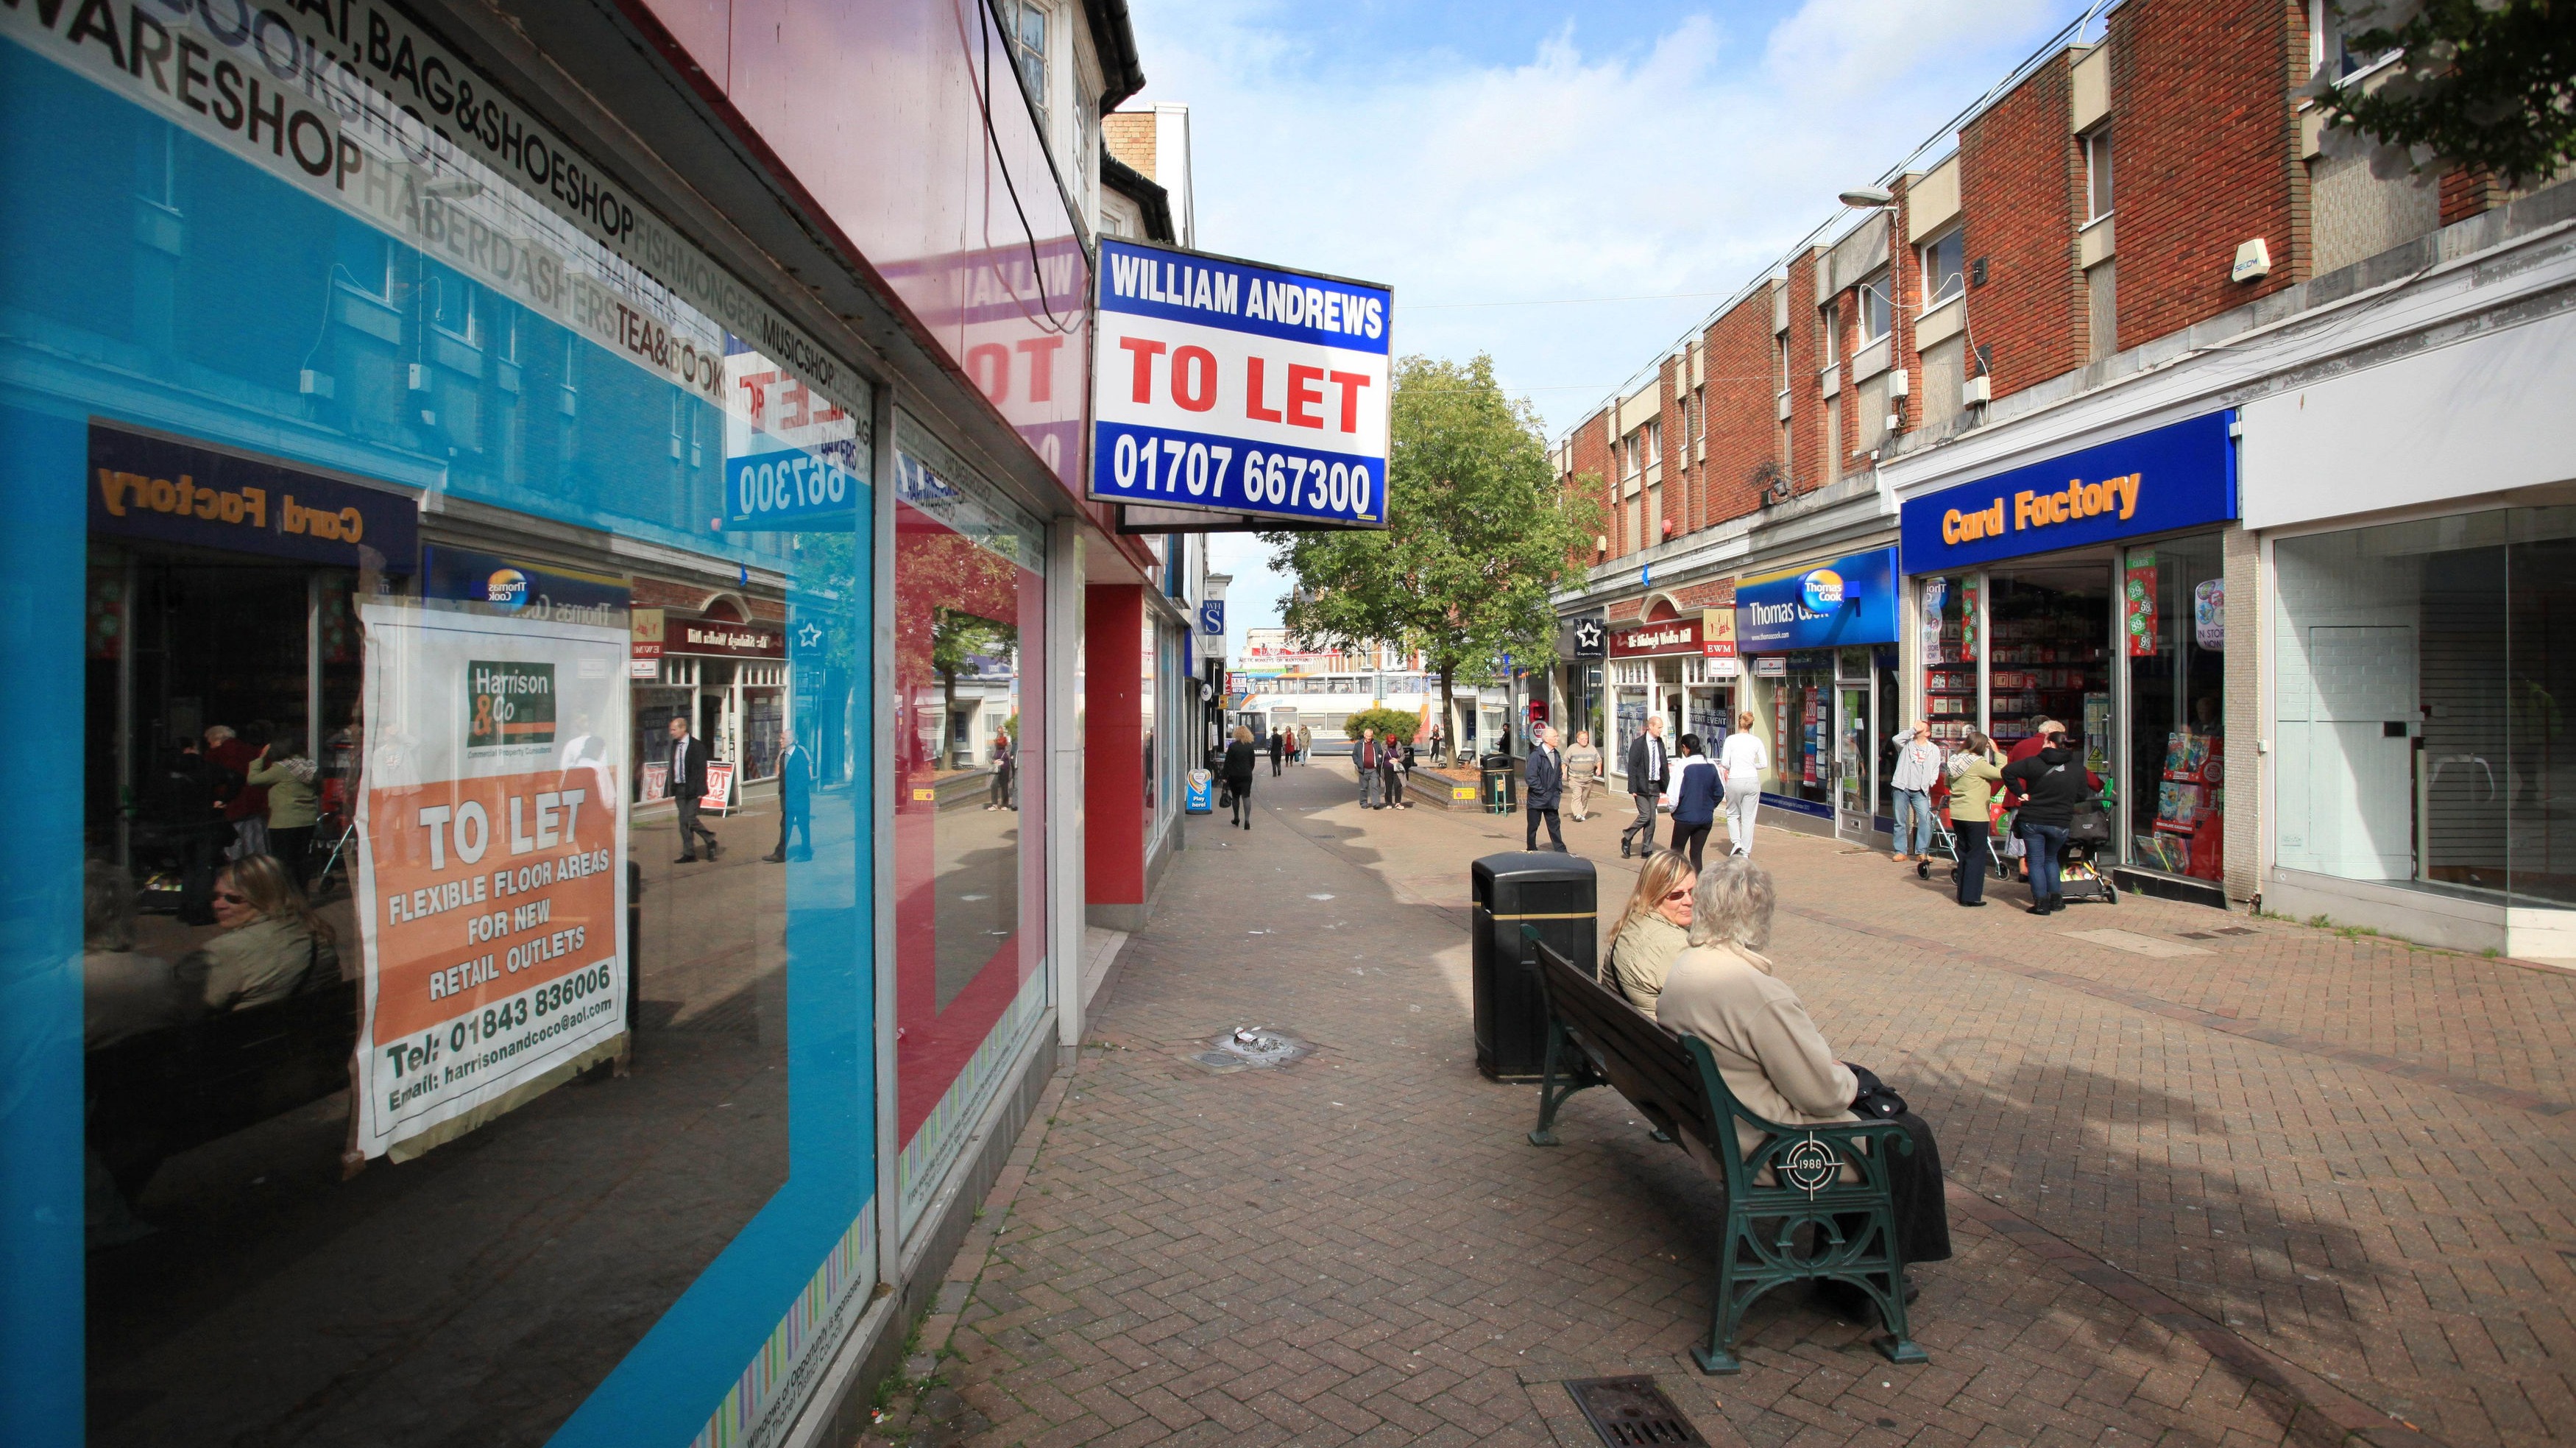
x=492, y=885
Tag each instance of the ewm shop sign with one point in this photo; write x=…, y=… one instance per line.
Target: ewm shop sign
x=1851, y=600
x=1238, y=388
x=2180, y=476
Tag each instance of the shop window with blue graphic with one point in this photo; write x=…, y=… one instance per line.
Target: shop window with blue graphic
x=453, y=1008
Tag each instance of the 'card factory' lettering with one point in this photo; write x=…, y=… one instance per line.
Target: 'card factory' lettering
x=2033, y=509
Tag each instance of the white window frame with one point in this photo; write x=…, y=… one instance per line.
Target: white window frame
x=1879, y=284
x=1013, y=12
x=2101, y=174
x=1955, y=236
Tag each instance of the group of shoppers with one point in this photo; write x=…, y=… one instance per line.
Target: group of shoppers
x=1687, y=953
x=1695, y=788
x=228, y=794
x=2042, y=782
x=1382, y=762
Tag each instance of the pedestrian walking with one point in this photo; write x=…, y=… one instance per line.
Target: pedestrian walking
x=1239, y=757
x=1582, y=772
x=998, y=795
x=1278, y=751
x=1693, y=796
x=2052, y=783
x=1646, y=770
x=1976, y=777
x=1305, y=743
x=1543, y=781
x=1918, y=767
x=796, y=797
x=688, y=786
x=1364, y=760
x=1391, y=766
x=1741, y=761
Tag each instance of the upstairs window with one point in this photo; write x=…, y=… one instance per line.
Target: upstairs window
x=1654, y=442
x=1875, y=308
x=1829, y=321
x=1944, y=268
x=1025, y=25
x=2097, y=174
x=2330, y=46
x=1780, y=363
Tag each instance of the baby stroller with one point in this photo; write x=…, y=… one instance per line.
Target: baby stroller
x=1945, y=841
x=2082, y=874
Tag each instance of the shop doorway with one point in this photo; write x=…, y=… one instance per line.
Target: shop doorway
x=181, y=640
x=1854, y=760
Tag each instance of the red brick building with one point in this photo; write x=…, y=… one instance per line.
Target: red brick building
x=2129, y=197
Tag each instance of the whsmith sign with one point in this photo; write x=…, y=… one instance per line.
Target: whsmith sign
x=1233, y=387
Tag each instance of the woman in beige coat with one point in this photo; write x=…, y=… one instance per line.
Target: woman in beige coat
x=1723, y=990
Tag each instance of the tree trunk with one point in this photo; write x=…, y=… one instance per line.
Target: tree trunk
x=1449, y=709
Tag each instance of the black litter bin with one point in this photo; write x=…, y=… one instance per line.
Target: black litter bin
x=1500, y=775
x=1559, y=896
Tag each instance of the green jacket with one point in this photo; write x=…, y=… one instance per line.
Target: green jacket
x=1974, y=779
x=291, y=803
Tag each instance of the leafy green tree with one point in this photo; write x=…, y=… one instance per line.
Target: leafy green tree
x=1479, y=534
x=1381, y=722
x=2489, y=85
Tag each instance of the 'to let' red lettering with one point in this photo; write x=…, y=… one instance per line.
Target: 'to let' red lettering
x=1146, y=351
x=1252, y=407
x=1304, y=396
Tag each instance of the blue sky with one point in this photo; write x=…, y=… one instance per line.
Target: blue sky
x=1517, y=152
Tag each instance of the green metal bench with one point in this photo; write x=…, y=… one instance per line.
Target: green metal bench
x=1809, y=1202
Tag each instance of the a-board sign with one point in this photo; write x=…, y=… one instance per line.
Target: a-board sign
x=1239, y=388
x=719, y=796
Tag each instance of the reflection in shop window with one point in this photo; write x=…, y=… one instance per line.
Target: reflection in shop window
x=969, y=870
x=245, y=692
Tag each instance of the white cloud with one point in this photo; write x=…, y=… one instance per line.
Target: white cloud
x=1682, y=165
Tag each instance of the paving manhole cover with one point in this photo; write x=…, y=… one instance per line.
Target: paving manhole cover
x=1626, y=1411
x=1252, y=1048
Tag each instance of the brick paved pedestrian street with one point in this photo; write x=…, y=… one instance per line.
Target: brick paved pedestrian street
x=2213, y=1180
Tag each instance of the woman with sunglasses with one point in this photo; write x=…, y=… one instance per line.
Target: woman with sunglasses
x=272, y=946
x=1655, y=928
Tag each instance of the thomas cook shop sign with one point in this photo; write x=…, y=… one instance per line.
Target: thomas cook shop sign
x=1228, y=386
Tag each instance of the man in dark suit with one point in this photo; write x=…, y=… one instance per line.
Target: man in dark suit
x=1646, y=762
x=795, y=799
x=688, y=786
x=1545, y=775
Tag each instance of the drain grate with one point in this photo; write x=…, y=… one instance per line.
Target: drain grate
x=2234, y=930
x=1631, y=1411
x=1251, y=1048
x=2197, y=935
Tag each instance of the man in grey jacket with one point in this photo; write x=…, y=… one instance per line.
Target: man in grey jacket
x=1646, y=762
